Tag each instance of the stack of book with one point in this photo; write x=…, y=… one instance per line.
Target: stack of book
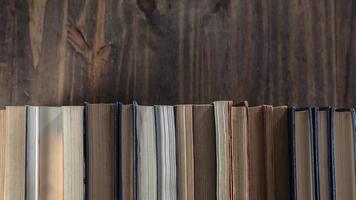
x=162, y=152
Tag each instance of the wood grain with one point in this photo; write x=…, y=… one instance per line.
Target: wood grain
x=298, y=52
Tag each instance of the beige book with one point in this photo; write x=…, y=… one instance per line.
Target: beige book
x=240, y=156
x=55, y=157
x=344, y=138
x=44, y=173
x=204, y=152
x=185, y=159
x=100, y=161
x=2, y=151
x=223, y=134
x=146, y=153
x=73, y=180
x=127, y=153
x=14, y=181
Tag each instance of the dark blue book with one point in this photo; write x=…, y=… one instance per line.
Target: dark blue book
x=343, y=152
x=324, y=178
x=302, y=129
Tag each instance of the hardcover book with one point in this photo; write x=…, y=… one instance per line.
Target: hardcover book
x=185, y=153
x=15, y=155
x=166, y=153
x=344, y=137
x=302, y=134
x=257, y=152
x=277, y=153
x=146, y=154
x=224, y=158
x=240, y=155
x=205, y=178
x=100, y=162
x=324, y=170
x=44, y=155
x=126, y=157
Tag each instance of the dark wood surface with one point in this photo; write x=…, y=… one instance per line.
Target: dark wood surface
x=295, y=52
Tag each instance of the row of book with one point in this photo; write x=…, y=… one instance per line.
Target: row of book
x=208, y=151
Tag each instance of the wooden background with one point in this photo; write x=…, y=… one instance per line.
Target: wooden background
x=295, y=52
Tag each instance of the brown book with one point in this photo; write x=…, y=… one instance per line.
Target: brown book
x=14, y=181
x=204, y=152
x=127, y=153
x=185, y=154
x=277, y=155
x=2, y=151
x=302, y=152
x=223, y=134
x=257, y=150
x=100, y=160
x=344, y=154
x=268, y=152
x=240, y=156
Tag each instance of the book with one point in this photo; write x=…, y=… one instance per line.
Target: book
x=277, y=155
x=185, y=153
x=205, y=178
x=146, y=154
x=73, y=152
x=206, y=151
x=44, y=155
x=302, y=134
x=324, y=171
x=240, y=155
x=223, y=134
x=15, y=164
x=166, y=153
x=126, y=151
x=257, y=152
x=343, y=145
x=3, y=136
x=100, y=161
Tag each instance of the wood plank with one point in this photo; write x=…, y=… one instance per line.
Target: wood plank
x=160, y=52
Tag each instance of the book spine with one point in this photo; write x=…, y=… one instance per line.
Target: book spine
x=86, y=152
x=331, y=152
x=135, y=156
x=118, y=150
x=292, y=158
x=354, y=136
x=315, y=145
